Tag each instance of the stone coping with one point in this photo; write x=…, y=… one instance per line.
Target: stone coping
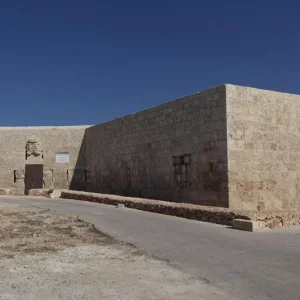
x=218, y=215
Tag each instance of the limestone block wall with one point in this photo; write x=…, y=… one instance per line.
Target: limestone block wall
x=176, y=151
x=263, y=149
x=50, y=140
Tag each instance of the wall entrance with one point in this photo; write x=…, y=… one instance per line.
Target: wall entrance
x=33, y=177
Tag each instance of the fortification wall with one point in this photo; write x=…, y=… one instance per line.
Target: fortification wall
x=21, y=146
x=227, y=146
x=263, y=149
x=176, y=151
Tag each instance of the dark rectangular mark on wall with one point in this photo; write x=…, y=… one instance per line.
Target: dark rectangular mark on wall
x=150, y=182
x=150, y=176
x=181, y=163
x=128, y=176
x=15, y=176
x=88, y=176
x=186, y=175
x=33, y=177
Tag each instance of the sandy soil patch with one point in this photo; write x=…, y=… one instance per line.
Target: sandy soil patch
x=47, y=255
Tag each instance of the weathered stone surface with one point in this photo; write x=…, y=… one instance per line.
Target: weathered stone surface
x=247, y=225
x=39, y=192
x=263, y=142
x=33, y=146
x=38, y=145
x=19, y=174
x=54, y=193
x=165, y=152
x=4, y=191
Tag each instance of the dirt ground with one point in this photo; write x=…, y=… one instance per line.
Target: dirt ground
x=47, y=255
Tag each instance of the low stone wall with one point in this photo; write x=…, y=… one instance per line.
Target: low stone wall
x=189, y=211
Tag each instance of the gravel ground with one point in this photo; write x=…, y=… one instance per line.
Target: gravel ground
x=47, y=255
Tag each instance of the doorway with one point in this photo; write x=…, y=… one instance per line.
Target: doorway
x=33, y=177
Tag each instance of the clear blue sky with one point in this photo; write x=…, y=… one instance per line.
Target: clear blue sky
x=85, y=62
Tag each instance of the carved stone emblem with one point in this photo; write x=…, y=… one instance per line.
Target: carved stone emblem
x=33, y=146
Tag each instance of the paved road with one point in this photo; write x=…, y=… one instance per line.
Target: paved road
x=263, y=265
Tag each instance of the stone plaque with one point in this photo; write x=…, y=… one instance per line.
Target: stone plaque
x=62, y=157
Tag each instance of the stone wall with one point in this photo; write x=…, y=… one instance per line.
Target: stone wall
x=227, y=146
x=38, y=145
x=263, y=149
x=176, y=151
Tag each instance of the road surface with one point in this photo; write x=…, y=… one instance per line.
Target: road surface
x=264, y=265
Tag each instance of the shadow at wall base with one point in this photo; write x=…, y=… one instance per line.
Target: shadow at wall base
x=192, y=196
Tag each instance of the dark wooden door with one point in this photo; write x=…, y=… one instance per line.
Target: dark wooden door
x=33, y=177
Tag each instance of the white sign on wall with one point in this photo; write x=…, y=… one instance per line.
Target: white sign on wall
x=62, y=157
